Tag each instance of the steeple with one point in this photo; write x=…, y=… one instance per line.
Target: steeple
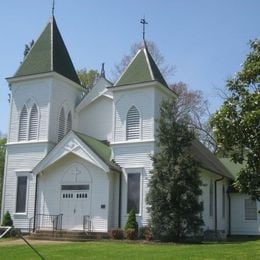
x=141, y=69
x=48, y=54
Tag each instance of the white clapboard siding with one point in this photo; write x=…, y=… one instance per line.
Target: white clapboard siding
x=21, y=159
x=96, y=119
x=142, y=100
x=33, y=123
x=49, y=190
x=135, y=156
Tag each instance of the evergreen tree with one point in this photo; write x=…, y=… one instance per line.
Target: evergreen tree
x=7, y=219
x=174, y=187
x=131, y=221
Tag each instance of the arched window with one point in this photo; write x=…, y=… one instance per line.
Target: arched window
x=33, y=124
x=133, y=124
x=69, y=122
x=22, y=135
x=61, y=129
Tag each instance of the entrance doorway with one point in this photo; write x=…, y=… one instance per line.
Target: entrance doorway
x=75, y=204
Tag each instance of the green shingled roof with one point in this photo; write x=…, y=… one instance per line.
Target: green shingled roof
x=141, y=69
x=100, y=149
x=208, y=160
x=48, y=54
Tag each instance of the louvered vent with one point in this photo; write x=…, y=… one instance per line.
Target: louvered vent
x=61, y=130
x=22, y=136
x=133, y=124
x=250, y=209
x=33, y=126
x=69, y=122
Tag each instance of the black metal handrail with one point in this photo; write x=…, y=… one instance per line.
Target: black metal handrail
x=87, y=223
x=48, y=222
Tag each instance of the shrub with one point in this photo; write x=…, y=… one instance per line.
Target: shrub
x=130, y=233
x=15, y=232
x=117, y=233
x=145, y=233
x=7, y=220
x=131, y=222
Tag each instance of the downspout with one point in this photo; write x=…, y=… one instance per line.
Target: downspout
x=216, y=215
x=229, y=213
x=35, y=202
x=119, y=200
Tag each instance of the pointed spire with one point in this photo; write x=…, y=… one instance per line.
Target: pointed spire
x=48, y=54
x=141, y=69
x=103, y=73
x=53, y=7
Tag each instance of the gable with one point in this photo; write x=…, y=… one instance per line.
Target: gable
x=82, y=146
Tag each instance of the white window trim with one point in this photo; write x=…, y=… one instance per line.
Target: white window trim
x=139, y=170
x=244, y=212
x=140, y=125
x=27, y=124
x=21, y=174
x=38, y=122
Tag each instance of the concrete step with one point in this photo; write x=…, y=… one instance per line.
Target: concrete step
x=68, y=235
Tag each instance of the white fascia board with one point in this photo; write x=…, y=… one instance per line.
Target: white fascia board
x=70, y=144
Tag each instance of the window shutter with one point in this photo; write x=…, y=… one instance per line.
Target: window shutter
x=133, y=124
x=250, y=209
x=33, y=126
x=23, y=124
x=61, y=130
x=69, y=122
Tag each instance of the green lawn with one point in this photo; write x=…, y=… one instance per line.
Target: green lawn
x=124, y=250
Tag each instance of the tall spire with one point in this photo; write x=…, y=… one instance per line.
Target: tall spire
x=103, y=73
x=143, y=22
x=53, y=7
x=48, y=54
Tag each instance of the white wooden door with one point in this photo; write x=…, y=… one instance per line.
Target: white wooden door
x=74, y=205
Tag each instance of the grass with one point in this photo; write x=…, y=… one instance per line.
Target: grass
x=124, y=250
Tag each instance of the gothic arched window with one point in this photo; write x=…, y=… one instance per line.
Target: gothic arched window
x=33, y=123
x=69, y=122
x=61, y=129
x=23, y=124
x=133, y=124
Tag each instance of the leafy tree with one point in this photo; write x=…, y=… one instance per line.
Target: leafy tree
x=27, y=48
x=237, y=122
x=131, y=221
x=174, y=187
x=87, y=77
x=2, y=165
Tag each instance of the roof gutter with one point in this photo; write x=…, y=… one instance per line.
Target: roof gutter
x=216, y=207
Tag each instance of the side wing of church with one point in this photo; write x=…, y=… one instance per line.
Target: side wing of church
x=77, y=161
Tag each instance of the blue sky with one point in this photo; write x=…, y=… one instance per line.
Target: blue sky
x=206, y=40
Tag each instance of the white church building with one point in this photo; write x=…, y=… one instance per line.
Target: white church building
x=81, y=161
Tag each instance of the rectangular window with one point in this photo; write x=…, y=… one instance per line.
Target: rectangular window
x=250, y=209
x=21, y=194
x=133, y=192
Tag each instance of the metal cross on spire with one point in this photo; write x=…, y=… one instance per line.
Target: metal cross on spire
x=53, y=7
x=143, y=22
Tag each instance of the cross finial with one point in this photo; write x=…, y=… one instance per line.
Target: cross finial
x=143, y=22
x=53, y=7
